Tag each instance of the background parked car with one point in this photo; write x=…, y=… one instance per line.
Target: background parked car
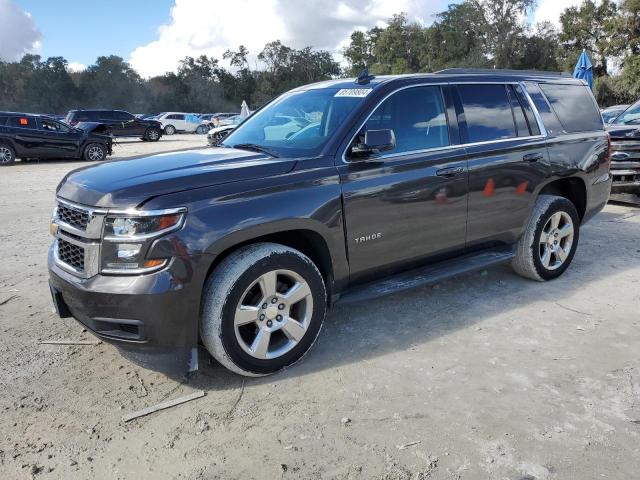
x=28, y=136
x=120, y=123
x=173, y=122
x=609, y=114
x=625, y=156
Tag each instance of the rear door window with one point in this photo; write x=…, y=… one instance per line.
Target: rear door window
x=487, y=111
x=22, y=122
x=574, y=106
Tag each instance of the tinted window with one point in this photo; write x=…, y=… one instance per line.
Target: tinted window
x=22, y=122
x=534, y=128
x=53, y=126
x=416, y=116
x=83, y=116
x=122, y=116
x=488, y=112
x=522, y=127
x=105, y=115
x=574, y=107
x=550, y=121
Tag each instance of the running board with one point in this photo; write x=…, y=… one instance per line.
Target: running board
x=427, y=275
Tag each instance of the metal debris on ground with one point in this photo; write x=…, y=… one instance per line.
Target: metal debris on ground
x=407, y=445
x=163, y=406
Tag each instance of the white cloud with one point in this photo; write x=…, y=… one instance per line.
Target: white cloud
x=76, y=67
x=206, y=27
x=18, y=32
x=550, y=10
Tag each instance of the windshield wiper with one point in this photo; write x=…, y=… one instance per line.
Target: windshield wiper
x=255, y=148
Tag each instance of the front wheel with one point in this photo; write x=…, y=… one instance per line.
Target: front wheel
x=95, y=152
x=152, y=134
x=550, y=240
x=201, y=130
x=169, y=129
x=263, y=308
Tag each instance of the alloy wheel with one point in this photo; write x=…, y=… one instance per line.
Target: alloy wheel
x=273, y=314
x=556, y=240
x=6, y=156
x=153, y=134
x=95, y=154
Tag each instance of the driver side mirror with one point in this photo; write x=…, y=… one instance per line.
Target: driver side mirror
x=375, y=141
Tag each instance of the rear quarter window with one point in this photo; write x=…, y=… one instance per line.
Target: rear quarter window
x=574, y=106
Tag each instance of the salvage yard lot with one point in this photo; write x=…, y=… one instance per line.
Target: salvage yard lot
x=484, y=376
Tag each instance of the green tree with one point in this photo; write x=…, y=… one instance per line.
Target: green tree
x=593, y=27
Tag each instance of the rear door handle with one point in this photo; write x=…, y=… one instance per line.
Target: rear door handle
x=533, y=157
x=449, y=171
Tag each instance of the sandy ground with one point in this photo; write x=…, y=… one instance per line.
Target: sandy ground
x=488, y=376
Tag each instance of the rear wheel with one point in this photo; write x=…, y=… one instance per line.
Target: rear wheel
x=169, y=129
x=7, y=155
x=95, y=152
x=549, y=242
x=152, y=134
x=263, y=308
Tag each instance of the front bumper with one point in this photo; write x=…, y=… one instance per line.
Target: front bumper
x=152, y=319
x=626, y=176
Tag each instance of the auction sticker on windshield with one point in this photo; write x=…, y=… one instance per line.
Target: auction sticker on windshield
x=353, y=92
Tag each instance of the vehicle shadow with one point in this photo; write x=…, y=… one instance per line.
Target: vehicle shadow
x=355, y=333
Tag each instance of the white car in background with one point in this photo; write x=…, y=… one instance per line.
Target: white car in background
x=173, y=122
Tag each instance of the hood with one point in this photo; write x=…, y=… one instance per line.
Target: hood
x=129, y=183
x=623, y=132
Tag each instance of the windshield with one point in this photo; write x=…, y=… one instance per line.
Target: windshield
x=298, y=123
x=631, y=116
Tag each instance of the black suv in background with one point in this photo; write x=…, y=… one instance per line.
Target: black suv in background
x=391, y=182
x=27, y=136
x=121, y=123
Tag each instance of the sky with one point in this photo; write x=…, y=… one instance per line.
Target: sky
x=154, y=35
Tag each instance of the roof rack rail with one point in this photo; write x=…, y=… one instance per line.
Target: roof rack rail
x=491, y=71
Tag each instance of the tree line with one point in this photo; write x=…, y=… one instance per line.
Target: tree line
x=474, y=33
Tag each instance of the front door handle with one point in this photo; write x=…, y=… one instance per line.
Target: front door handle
x=449, y=171
x=533, y=157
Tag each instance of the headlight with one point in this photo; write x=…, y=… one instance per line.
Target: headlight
x=119, y=227
x=127, y=239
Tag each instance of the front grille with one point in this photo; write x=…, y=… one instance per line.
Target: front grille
x=73, y=216
x=71, y=254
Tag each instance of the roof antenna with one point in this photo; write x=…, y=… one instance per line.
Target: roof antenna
x=364, y=77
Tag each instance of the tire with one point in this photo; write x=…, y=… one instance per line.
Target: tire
x=95, y=152
x=243, y=280
x=549, y=242
x=169, y=129
x=201, y=130
x=152, y=134
x=7, y=155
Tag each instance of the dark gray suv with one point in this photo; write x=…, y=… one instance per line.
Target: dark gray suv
x=338, y=191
